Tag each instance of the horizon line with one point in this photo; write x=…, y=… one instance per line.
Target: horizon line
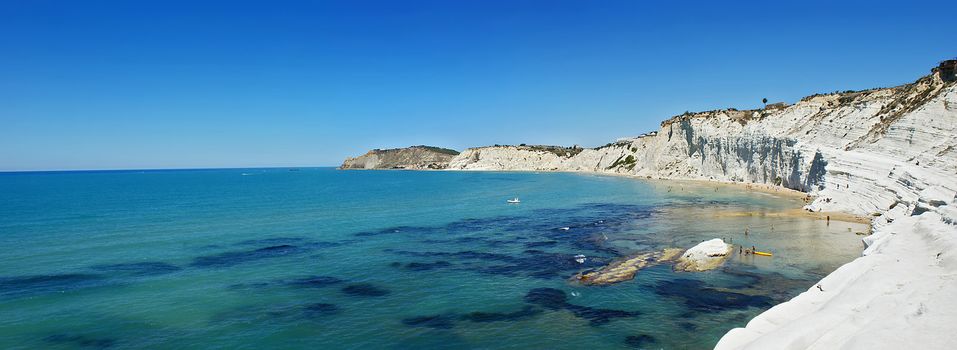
x=160, y=169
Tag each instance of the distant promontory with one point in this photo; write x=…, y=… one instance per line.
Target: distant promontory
x=415, y=157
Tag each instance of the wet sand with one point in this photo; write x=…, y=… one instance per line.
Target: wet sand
x=799, y=212
x=768, y=189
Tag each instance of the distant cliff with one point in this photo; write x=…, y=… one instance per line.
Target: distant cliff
x=415, y=157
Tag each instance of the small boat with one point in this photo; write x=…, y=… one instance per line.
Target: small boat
x=566, y=228
x=762, y=253
x=580, y=258
x=513, y=201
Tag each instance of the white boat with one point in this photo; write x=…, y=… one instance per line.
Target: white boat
x=513, y=201
x=580, y=258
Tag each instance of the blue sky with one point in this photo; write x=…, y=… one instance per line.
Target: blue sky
x=175, y=84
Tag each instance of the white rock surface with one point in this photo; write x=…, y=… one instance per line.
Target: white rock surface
x=704, y=256
x=887, y=152
x=900, y=295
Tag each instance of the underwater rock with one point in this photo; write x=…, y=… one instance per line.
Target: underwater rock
x=365, y=290
x=597, y=317
x=272, y=241
x=639, y=341
x=319, y=310
x=554, y=299
x=315, y=281
x=148, y=268
x=421, y=266
x=541, y=244
x=549, y=298
x=698, y=297
x=237, y=257
x=396, y=229
x=524, y=313
x=38, y=284
x=431, y=321
x=625, y=269
x=80, y=341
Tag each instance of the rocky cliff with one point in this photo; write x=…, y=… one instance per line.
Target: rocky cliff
x=884, y=143
x=888, y=153
x=415, y=157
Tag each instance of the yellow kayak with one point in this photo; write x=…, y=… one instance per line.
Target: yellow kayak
x=762, y=253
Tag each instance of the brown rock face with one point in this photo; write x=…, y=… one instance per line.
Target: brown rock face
x=946, y=70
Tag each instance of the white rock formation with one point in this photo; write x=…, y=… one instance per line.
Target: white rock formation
x=900, y=295
x=890, y=152
x=705, y=256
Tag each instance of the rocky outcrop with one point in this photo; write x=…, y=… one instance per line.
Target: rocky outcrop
x=625, y=269
x=415, y=157
x=705, y=256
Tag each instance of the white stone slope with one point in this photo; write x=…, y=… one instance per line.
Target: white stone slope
x=890, y=153
x=900, y=295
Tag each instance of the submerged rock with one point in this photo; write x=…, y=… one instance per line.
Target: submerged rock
x=705, y=256
x=365, y=290
x=555, y=299
x=625, y=269
x=639, y=341
x=430, y=321
x=79, y=340
x=549, y=298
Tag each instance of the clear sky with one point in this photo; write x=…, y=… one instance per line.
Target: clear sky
x=173, y=84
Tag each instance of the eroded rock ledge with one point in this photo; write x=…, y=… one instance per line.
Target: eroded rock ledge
x=625, y=269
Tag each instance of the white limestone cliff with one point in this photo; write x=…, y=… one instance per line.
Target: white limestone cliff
x=889, y=153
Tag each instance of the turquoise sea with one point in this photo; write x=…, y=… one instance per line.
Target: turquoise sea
x=317, y=258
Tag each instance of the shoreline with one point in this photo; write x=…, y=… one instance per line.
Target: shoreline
x=767, y=329
x=784, y=192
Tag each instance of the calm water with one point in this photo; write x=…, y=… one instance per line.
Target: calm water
x=319, y=258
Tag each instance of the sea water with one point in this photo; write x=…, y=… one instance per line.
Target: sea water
x=328, y=259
